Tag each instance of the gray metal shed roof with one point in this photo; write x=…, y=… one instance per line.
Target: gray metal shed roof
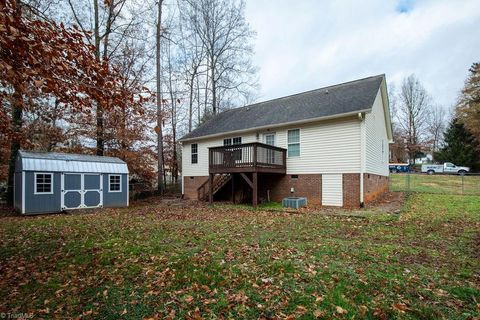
x=354, y=96
x=68, y=162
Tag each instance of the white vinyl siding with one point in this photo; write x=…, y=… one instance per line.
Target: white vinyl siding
x=332, y=190
x=326, y=147
x=376, y=141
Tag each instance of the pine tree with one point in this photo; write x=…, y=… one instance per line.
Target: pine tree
x=468, y=107
x=460, y=146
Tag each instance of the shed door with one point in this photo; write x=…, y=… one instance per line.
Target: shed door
x=81, y=190
x=332, y=190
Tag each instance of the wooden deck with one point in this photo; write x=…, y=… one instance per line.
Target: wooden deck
x=248, y=157
x=247, y=161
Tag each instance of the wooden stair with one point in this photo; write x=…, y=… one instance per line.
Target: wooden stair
x=218, y=182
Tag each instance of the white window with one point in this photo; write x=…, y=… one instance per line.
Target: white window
x=230, y=141
x=270, y=139
x=114, y=183
x=293, y=143
x=194, y=153
x=43, y=183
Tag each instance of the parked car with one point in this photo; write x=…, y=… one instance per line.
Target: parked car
x=446, y=168
x=398, y=167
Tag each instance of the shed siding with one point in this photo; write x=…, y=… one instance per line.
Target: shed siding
x=42, y=203
x=18, y=191
x=115, y=199
x=376, y=161
x=201, y=168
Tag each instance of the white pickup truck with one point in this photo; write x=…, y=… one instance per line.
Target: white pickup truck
x=446, y=168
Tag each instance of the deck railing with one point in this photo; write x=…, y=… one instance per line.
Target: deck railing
x=250, y=156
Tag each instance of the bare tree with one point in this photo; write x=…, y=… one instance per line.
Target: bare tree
x=226, y=37
x=412, y=108
x=192, y=58
x=174, y=100
x=160, y=159
x=436, y=125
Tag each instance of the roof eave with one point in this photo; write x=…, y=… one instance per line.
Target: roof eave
x=303, y=121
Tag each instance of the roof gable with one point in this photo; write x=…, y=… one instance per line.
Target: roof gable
x=337, y=100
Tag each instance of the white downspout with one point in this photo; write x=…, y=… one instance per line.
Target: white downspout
x=361, y=117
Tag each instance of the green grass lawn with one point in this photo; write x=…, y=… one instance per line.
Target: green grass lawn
x=447, y=184
x=150, y=261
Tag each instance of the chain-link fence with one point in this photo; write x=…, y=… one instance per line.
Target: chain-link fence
x=142, y=190
x=468, y=184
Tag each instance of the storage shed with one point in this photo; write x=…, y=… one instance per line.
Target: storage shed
x=54, y=182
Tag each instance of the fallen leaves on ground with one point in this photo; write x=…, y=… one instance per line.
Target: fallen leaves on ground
x=192, y=261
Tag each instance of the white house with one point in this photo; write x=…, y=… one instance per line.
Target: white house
x=330, y=145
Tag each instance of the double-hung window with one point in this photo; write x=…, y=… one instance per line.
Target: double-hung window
x=43, y=183
x=293, y=143
x=114, y=183
x=194, y=153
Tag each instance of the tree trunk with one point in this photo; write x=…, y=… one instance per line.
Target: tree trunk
x=52, y=144
x=99, y=112
x=17, y=111
x=190, y=106
x=205, y=110
x=173, y=106
x=160, y=175
x=199, y=111
x=214, y=91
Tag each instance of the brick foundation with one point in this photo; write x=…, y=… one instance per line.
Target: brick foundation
x=351, y=190
x=304, y=185
x=373, y=186
x=190, y=186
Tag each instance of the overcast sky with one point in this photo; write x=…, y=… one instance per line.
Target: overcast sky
x=308, y=44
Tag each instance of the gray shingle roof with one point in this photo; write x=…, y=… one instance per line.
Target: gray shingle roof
x=68, y=157
x=342, y=98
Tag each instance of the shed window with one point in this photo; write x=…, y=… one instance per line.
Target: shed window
x=294, y=143
x=43, y=183
x=194, y=153
x=114, y=183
